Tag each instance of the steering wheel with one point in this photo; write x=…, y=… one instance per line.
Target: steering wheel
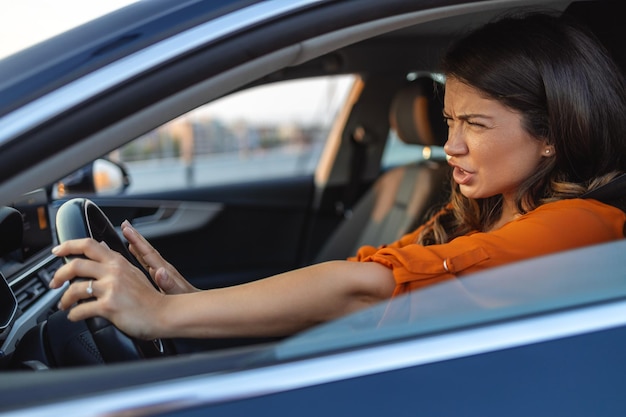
x=81, y=218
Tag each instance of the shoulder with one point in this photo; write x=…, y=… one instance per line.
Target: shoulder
x=590, y=215
x=579, y=206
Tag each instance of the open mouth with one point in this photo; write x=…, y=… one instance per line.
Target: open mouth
x=461, y=176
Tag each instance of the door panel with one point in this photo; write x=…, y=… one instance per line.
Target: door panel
x=223, y=235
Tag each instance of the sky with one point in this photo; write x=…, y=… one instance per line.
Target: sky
x=26, y=22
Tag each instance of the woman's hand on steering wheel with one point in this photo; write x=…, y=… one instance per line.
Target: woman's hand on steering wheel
x=162, y=272
x=117, y=290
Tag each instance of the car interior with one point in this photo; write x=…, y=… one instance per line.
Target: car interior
x=233, y=233
x=400, y=199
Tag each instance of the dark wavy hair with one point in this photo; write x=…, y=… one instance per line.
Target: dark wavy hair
x=569, y=92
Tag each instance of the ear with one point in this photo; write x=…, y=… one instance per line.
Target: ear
x=548, y=150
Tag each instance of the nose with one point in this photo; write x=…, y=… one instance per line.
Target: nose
x=455, y=145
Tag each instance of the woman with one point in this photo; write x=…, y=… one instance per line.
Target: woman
x=535, y=114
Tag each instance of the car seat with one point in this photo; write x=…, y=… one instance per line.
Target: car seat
x=401, y=198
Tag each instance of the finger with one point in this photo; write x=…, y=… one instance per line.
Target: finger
x=76, y=268
x=84, y=311
x=167, y=283
x=163, y=280
x=134, y=252
x=145, y=253
x=140, y=259
x=170, y=282
x=131, y=236
x=135, y=238
x=78, y=291
x=88, y=247
x=94, y=266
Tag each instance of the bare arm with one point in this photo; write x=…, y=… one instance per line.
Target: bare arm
x=274, y=306
x=280, y=305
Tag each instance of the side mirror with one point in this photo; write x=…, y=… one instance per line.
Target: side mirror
x=101, y=177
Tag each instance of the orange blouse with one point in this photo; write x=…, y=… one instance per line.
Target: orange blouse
x=552, y=227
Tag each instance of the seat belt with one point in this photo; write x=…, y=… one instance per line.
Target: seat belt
x=359, y=140
x=612, y=193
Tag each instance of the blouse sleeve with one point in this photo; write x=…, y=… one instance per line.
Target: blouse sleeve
x=553, y=227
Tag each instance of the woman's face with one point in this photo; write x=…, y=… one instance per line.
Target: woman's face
x=487, y=147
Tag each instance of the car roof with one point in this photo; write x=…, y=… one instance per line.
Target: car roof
x=69, y=55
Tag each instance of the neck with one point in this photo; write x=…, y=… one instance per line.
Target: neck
x=509, y=213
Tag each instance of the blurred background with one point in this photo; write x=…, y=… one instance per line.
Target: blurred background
x=271, y=131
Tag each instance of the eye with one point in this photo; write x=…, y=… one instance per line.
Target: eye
x=474, y=123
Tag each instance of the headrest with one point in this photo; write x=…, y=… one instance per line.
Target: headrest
x=417, y=113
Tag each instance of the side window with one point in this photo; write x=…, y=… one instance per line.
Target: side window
x=272, y=131
x=397, y=152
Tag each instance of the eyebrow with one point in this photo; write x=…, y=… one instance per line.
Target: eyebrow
x=469, y=116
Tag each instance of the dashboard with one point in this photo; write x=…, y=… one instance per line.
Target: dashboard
x=26, y=268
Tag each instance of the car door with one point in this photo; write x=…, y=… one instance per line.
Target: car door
x=216, y=234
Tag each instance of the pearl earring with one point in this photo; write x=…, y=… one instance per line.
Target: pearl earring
x=547, y=151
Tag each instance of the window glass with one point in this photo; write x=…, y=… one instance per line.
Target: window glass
x=272, y=131
x=397, y=152
x=569, y=280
